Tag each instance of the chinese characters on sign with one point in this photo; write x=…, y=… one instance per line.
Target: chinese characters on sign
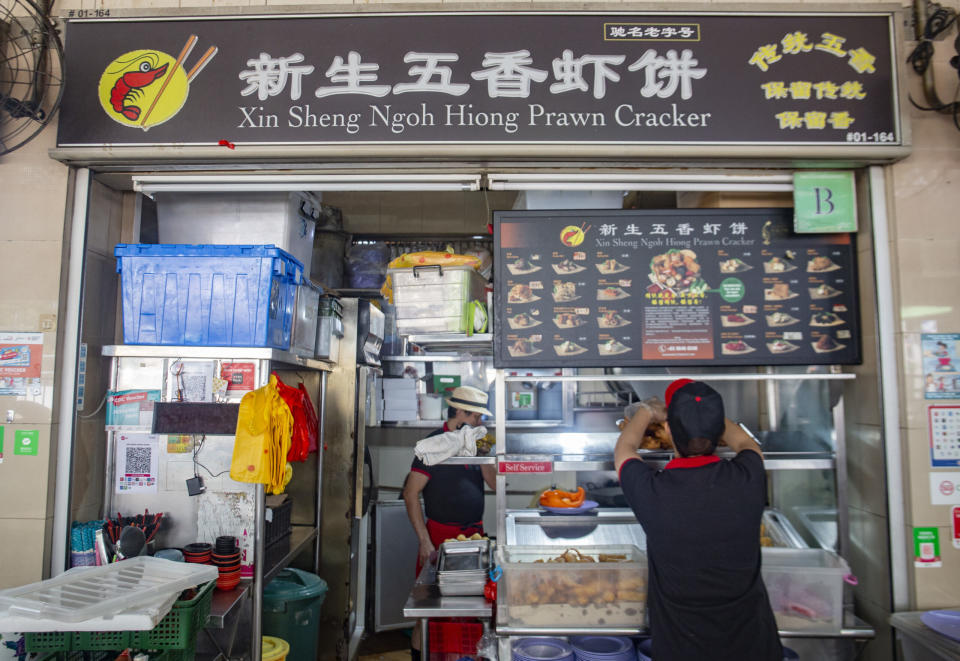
x=686, y=286
x=551, y=77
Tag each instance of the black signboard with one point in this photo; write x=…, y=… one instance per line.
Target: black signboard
x=674, y=287
x=484, y=78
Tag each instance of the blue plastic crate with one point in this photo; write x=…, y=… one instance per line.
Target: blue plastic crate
x=207, y=295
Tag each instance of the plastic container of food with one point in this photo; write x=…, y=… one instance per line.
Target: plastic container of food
x=611, y=591
x=432, y=299
x=805, y=588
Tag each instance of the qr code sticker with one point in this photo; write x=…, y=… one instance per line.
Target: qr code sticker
x=137, y=460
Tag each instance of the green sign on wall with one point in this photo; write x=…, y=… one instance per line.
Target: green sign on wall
x=926, y=547
x=26, y=442
x=824, y=202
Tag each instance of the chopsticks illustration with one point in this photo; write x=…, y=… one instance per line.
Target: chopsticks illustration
x=191, y=74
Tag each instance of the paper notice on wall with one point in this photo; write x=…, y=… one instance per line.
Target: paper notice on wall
x=136, y=463
x=191, y=381
x=926, y=547
x=945, y=488
x=131, y=408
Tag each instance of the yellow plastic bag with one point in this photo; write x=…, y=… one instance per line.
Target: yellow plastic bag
x=426, y=258
x=264, y=428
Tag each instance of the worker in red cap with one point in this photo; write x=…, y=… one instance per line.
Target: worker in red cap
x=701, y=516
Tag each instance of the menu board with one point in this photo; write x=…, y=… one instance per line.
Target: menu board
x=671, y=287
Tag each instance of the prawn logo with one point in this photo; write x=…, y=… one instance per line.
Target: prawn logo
x=572, y=236
x=144, y=88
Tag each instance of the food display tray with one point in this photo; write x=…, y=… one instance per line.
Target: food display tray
x=462, y=567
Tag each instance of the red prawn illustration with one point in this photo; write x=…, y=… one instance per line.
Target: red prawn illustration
x=130, y=86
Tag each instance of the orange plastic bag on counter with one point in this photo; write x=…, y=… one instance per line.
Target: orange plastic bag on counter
x=426, y=258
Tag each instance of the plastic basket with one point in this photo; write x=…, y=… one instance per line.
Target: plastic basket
x=207, y=295
x=280, y=524
x=454, y=636
x=177, y=631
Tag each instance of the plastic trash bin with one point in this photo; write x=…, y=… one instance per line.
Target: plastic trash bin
x=291, y=611
x=921, y=643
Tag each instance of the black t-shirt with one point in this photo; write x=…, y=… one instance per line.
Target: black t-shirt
x=454, y=494
x=702, y=521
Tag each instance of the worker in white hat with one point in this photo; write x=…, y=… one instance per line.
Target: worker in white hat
x=452, y=495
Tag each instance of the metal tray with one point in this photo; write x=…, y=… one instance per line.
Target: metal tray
x=464, y=563
x=783, y=533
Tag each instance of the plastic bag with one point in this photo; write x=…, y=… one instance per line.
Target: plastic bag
x=264, y=428
x=304, y=434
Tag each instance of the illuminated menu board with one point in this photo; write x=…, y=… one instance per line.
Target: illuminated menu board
x=671, y=287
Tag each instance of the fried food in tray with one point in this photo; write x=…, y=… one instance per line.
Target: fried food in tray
x=655, y=437
x=782, y=346
x=568, y=348
x=612, y=348
x=821, y=264
x=569, y=320
x=521, y=294
x=779, y=292
x=734, y=265
x=612, y=320
x=824, y=291
x=567, y=266
x=610, y=266
x=523, y=347
x=564, y=291
x=611, y=294
x=777, y=265
x=777, y=319
x=522, y=266
x=522, y=320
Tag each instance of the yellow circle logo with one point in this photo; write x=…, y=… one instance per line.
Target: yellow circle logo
x=143, y=88
x=571, y=235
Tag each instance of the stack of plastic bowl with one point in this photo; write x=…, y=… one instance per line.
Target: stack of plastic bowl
x=542, y=649
x=226, y=557
x=198, y=552
x=603, y=648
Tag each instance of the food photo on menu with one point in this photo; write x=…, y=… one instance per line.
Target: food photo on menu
x=611, y=266
x=780, y=319
x=736, y=348
x=826, y=344
x=567, y=266
x=826, y=319
x=734, y=265
x=612, y=347
x=824, y=291
x=569, y=320
x=568, y=348
x=612, y=319
x=777, y=265
x=522, y=320
x=611, y=294
x=564, y=292
x=522, y=266
x=822, y=264
x=678, y=271
x=735, y=319
x=524, y=347
x=779, y=292
x=782, y=346
x=521, y=294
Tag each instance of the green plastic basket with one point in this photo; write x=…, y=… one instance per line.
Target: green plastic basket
x=176, y=631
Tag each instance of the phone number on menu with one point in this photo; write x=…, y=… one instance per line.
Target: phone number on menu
x=860, y=136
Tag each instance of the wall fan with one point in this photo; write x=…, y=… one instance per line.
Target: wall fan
x=31, y=72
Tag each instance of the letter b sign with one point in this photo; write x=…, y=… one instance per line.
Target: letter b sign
x=824, y=202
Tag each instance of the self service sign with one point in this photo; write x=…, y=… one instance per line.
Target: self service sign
x=547, y=78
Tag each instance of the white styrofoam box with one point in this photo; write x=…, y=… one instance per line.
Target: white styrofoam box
x=569, y=199
x=286, y=220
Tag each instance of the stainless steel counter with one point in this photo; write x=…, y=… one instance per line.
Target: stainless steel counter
x=425, y=600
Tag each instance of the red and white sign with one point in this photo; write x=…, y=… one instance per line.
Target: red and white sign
x=945, y=488
x=955, y=520
x=525, y=466
x=21, y=354
x=239, y=376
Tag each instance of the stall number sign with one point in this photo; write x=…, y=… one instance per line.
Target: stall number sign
x=824, y=202
x=529, y=466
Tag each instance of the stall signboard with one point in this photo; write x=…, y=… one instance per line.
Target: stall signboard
x=780, y=78
x=525, y=465
x=671, y=287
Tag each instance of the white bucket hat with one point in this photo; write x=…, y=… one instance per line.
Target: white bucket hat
x=468, y=398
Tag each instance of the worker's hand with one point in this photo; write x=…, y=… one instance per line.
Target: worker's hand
x=658, y=410
x=426, y=552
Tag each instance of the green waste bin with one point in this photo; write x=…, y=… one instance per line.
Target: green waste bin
x=291, y=611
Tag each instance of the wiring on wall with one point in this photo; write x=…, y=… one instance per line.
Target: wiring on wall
x=197, y=446
x=932, y=21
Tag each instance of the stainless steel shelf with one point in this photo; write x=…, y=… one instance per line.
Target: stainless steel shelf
x=511, y=424
x=481, y=342
x=469, y=461
x=224, y=602
x=214, y=353
x=841, y=376
x=425, y=358
x=771, y=461
x=300, y=538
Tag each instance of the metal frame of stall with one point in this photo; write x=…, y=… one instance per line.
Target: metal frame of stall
x=225, y=603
